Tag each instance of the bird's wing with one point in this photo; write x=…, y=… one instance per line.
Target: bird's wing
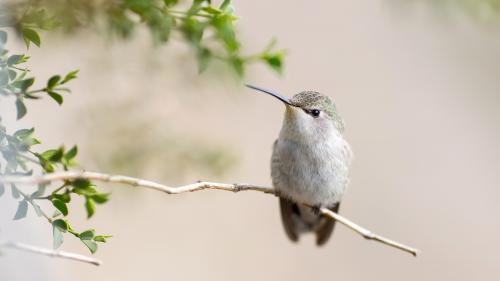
x=288, y=212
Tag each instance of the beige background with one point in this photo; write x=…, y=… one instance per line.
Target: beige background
x=417, y=87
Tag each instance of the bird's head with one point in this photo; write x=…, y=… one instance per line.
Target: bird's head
x=309, y=115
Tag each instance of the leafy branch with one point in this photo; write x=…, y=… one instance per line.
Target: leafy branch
x=209, y=30
x=83, y=175
x=19, y=157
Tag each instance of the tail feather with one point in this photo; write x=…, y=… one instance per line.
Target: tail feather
x=297, y=219
x=325, y=228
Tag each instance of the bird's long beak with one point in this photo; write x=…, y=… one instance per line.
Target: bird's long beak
x=282, y=98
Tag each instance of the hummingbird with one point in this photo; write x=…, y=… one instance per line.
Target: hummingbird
x=309, y=164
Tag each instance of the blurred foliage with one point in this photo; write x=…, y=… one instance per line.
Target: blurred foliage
x=482, y=10
x=143, y=144
x=18, y=156
x=208, y=29
x=173, y=155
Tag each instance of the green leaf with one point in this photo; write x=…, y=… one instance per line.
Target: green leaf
x=24, y=133
x=225, y=30
x=170, y=3
x=193, y=30
x=14, y=59
x=87, y=191
x=86, y=237
x=160, y=26
x=39, y=18
x=100, y=198
x=65, y=197
x=89, y=207
x=34, y=16
x=91, y=245
x=87, y=234
x=238, y=65
x=53, y=81
x=22, y=210
x=102, y=238
x=25, y=83
x=12, y=74
x=204, y=57
x=48, y=153
x=71, y=153
x=57, y=235
x=61, y=224
x=31, y=35
x=225, y=5
x=38, y=210
x=46, y=165
x=120, y=23
x=275, y=61
x=212, y=10
x=55, y=96
x=4, y=77
x=21, y=109
x=81, y=183
x=195, y=7
x=61, y=206
x=57, y=156
x=70, y=76
x=53, y=155
x=30, y=96
x=15, y=191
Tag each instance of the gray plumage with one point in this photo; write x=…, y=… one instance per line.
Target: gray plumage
x=310, y=164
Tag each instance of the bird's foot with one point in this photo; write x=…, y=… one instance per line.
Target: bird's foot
x=316, y=209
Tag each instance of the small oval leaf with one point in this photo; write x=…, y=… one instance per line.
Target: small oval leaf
x=21, y=109
x=55, y=96
x=22, y=210
x=61, y=206
x=90, y=207
x=87, y=234
x=91, y=245
x=53, y=81
x=57, y=236
x=31, y=35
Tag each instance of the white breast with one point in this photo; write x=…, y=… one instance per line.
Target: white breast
x=314, y=173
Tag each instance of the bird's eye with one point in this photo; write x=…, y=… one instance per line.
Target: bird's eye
x=315, y=113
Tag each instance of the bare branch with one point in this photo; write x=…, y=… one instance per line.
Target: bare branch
x=49, y=252
x=73, y=175
x=368, y=234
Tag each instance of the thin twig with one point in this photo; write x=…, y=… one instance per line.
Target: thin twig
x=36, y=207
x=49, y=252
x=366, y=233
x=73, y=175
